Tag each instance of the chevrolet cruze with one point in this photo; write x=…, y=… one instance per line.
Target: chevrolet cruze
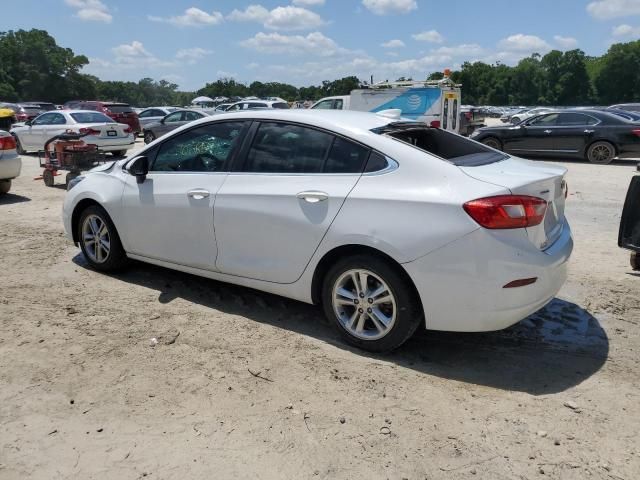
x=388, y=225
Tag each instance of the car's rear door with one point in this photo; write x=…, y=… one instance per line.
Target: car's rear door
x=169, y=216
x=271, y=215
x=573, y=132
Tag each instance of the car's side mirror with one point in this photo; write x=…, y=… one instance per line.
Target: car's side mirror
x=139, y=168
x=28, y=123
x=162, y=121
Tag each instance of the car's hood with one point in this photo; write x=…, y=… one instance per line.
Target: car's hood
x=104, y=167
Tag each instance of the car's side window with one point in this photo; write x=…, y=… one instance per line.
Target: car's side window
x=338, y=104
x=43, y=119
x=324, y=105
x=573, y=119
x=345, y=157
x=57, y=119
x=286, y=148
x=190, y=116
x=174, y=117
x=376, y=162
x=544, y=120
x=202, y=149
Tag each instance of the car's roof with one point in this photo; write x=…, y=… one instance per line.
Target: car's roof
x=77, y=111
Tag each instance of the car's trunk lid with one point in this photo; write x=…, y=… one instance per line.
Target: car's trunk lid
x=523, y=177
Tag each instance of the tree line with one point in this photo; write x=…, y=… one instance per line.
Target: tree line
x=34, y=67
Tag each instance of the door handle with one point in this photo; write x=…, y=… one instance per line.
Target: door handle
x=548, y=131
x=589, y=131
x=313, y=196
x=198, y=194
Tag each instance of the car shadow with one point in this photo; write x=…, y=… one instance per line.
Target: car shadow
x=551, y=351
x=10, y=198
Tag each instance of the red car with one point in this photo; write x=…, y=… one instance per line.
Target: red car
x=120, y=112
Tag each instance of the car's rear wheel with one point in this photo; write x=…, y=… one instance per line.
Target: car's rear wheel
x=601, y=153
x=492, y=143
x=149, y=137
x=99, y=240
x=515, y=120
x=5, y=186
x=119, y=153
x=635, y=261
x=372, y=304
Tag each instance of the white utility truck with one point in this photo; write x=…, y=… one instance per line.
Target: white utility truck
x=436, y=103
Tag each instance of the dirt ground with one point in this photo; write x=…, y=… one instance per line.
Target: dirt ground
x=248, y=385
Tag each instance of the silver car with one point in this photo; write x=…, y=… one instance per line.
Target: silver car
x=170, y=122
x=10, y=163
x=154, y=115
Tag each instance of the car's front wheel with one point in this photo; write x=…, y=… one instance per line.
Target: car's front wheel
x=5, y=186
x=119, y=153
x=99, y=240
x=492, y=143
x=372, y=304
x=601, y=153
x=149, y=137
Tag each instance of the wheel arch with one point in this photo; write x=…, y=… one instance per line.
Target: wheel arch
x=80, y=207
x=329, y=258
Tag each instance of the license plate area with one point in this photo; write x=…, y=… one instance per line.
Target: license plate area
x=112, y=133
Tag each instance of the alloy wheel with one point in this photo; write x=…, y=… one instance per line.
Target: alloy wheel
x=96, y=238
x=601, y=154
x=364, y=304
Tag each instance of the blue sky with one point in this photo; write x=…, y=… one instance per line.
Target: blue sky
x=303, y=42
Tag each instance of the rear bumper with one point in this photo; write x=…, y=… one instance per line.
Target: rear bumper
x=114, y=144
x=10, y=166
x=461, y=284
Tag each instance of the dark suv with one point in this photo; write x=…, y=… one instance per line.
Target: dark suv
x=120, y=112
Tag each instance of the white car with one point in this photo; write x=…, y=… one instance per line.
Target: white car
x=10, y=163
x=519, y=117
x=154, y=114
x=388, y=225
x=101, y=130
x=256, y=104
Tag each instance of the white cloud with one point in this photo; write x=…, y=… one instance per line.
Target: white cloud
x=432, y=36
x=308, y=3
x=192, y=17
x=280, y=18
x=135, y=55
x=567, y=43
x=388, y=7
x=134, y=49
x=252, y=66
x=192, y=55
x=524, y=43
x=465, y=50
x=91, y=10
x=625, y=31
x=314, y=43
x=607, y=9
x=393, y=44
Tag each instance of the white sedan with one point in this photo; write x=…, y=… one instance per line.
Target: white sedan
x=10, y=163
x=388, y=225
x=100, y=130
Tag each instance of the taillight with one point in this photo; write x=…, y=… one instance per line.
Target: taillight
x=7, y=143
x=22, y=116
x=636, y=132
x=507, y=211
x=89, y=131
x=435, y=123
x=128, y=130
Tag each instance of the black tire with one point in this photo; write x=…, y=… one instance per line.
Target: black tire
x=601, y=153
x=119, y=153
x=635, y=261
x=149, y=137
x=409, y=313
x=5, y=186
x=19, y=149
x=48, y=178
x=116, y=259
x=515, y=120
x=492, y=142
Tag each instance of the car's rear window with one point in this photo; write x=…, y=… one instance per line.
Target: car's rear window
x=281, y=105
x=451, y=147
x=119, y=108
x=29, y=108
x=91, y=117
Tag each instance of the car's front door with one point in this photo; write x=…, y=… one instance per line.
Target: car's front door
x=32, y=137
x=171, y=122
x=533, y=136
x=56, y=126
x=573, y=132
x=272, y=214
x=170, y=215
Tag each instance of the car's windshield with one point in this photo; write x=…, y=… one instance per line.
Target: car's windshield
x=91, y=117
x=455, y=149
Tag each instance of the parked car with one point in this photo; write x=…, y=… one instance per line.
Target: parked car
x=629, y=234
x=519, y=117
x=253, y=104
x=388, y=225
x=154, y=114
x=222, y=107
x=24, y=111
x=631, y=107
x=594, y=135
x=101, y=130
x=44, y=106
x=170, y=122
x=120, y=112
x=7, y=117
x=10, y=163
x=506, y=116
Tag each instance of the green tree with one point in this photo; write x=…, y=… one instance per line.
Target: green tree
x=618, y=79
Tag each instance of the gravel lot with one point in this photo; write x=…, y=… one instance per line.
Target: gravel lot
x=248, y=385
